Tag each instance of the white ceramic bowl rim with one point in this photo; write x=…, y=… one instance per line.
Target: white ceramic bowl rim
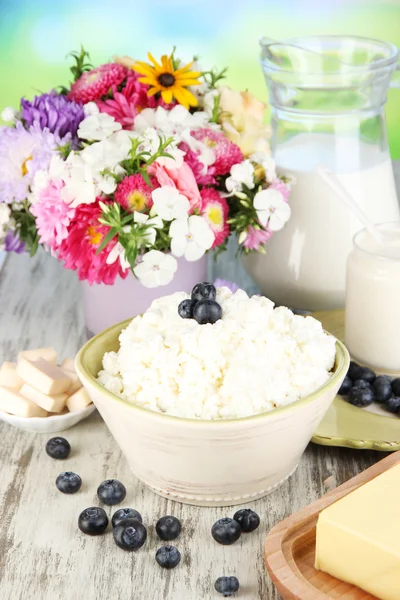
x=341, y=366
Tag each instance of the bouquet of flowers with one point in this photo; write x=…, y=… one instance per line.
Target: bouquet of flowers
x=135, y=164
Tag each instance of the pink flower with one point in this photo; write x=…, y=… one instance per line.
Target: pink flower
x=96, y=83
x=127, y=103
x=226, y=153
x=53, y=215
x=281, y=186
x=192, y=159
x=134, y=194
x=182, y=179
x=79, y=249
x=215, y=210
x=256, y=238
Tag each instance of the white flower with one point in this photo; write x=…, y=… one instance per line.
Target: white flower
x=272, y=210
x=209, y=101
x=4, y=214
x=267, y=163
x=98, y=127
x=241, y=174
x=156, y=269
x=9, y=114
x=169, y=204
x=91, y=108
x=171, y=122
x=154, y=223
x=118, y=253
x=191, y=237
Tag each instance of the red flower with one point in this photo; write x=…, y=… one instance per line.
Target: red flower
x=133, y=193
x=96, y=83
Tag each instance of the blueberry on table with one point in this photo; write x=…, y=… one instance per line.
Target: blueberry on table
x=111, y=492
x=396, y=386
x=58, y=448
x=382, y=389
x=68, y=482
x=130, y=534
x=226, y=531
x=168, y=528
x=366, y=374
x=361, y=396
x=354, y=371
x=227, y=586
x=247, y=519
x=346, y=386
x=168, y=557
x=125, y=513
x=393, y=405
x=185, y=309
x=93, y=521
x=207, y=311
x=360, y=383
x=204, y=291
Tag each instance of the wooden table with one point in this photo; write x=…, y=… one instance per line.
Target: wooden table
x=43, y=556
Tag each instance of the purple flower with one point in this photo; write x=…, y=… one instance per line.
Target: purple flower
x=12, y=243
x=54, y=112
x=229, y=284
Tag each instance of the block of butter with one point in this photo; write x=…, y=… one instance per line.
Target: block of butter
x=13, y=403
x=54, y=404
x=9, y=377
x=358, y=537
x=48, y=354
x=68, y=364
x=43, y=376
x=75, y=381
x=78, y=401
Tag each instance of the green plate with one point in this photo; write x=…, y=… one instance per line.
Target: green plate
x=351, y=427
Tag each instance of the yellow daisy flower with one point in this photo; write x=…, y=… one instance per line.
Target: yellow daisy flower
x=170, y=82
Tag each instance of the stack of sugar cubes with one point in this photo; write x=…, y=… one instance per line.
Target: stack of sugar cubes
x=37, y=387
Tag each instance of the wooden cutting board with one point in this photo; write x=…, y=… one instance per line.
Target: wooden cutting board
x=290, y=548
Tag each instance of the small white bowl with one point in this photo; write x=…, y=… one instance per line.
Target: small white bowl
x=52, y=424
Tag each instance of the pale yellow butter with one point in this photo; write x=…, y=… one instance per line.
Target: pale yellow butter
x=54, y=404
x=48, y=354
x=9, y=377
x=68, y=364
x=358, y=537
x=79, y=400
x=43, y=376
x=75, y=381
x=13, y=403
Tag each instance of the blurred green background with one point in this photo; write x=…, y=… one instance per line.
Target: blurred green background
x=35, y=36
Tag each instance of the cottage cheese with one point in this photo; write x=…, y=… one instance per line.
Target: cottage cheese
x=254, y=359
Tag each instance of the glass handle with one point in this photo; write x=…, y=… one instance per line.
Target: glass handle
x=395, y=83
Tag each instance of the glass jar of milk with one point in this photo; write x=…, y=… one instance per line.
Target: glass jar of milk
x=373, y=300
x=327, y=96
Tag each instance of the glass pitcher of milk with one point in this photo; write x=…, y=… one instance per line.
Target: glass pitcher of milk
x=327, y=95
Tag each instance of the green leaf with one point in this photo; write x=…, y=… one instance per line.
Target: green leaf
x=80, y=66
x=110, y=235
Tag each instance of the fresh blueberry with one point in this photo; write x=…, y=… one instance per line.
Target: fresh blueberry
x=247, y=519
x=207, y=311
x=204, y=291
x=346, y=386
x=93, y=521
x=396, y=386
x=168, y=528
x=226, y=531
x=354, y=371
x=130, y=534
x=111, y=492
x=361, y=384
x=382, y=389
x=227, y=586
x=68, y=482
x=361, y=396
x=185, y=309
x=125, y=513
x=168, y=557
x=393, y=405
x=366, y=374
x=58, y=447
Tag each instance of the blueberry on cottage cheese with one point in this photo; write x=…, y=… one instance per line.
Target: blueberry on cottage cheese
x=93, y=521
x=226, y=531
x=168, y=557
x=68, y=482
x=207, y=311
x=393, y=405
x=58, y=448
x=168, y=528
x=125, y=513
x=130, y=534
x=247, y=519
x=227, y=586
x=185, y=309
x=346, y=386
x=111, y=492
x=382, y=389
x=204, y=291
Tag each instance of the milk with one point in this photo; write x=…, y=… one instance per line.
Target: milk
x=305, y=264
x=373, y=301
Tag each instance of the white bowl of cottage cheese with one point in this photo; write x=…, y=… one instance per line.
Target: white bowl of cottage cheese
x=218, y=410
